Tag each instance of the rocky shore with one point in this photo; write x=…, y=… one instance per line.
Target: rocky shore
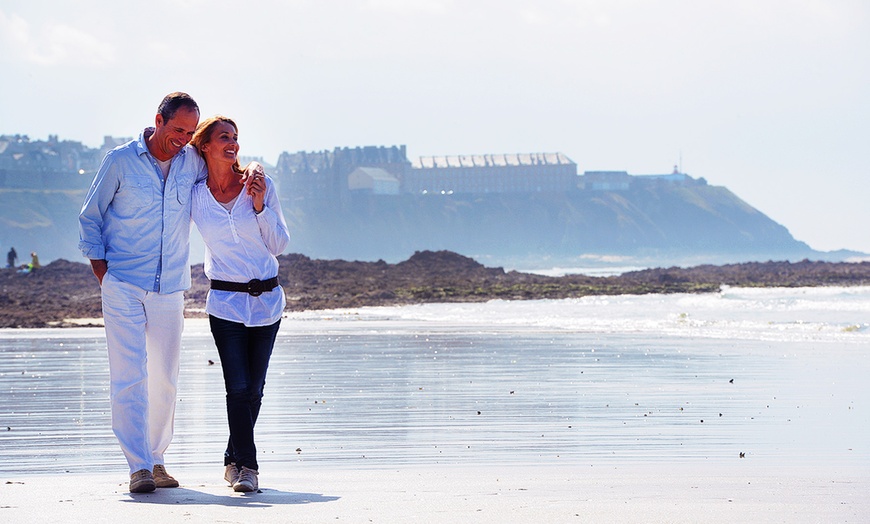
x=61, y=291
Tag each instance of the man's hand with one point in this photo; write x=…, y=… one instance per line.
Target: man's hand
x=253, y=169
x=257, y=189
x=255, y=184
x=99, y=267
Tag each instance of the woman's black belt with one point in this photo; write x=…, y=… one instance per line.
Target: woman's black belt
x=254, y=287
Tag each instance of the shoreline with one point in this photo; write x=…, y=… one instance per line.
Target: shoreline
x=371, y=313
x=66, y=294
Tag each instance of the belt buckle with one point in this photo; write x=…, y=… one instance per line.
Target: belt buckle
x=255, y=287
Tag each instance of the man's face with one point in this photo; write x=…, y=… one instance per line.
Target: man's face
x=170, y=136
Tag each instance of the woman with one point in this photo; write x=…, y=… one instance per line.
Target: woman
x=243, y=229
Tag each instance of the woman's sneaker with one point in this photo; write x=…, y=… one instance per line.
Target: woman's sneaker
x=231, y=474
x=247, y=480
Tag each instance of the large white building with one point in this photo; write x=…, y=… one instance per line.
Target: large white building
x=504, y=173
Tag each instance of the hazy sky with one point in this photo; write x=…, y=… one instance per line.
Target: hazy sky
x=770, y=98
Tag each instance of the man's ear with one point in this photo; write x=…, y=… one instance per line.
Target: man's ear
x=158, y=120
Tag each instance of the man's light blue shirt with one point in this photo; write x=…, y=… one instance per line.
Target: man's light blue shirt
x=137, y=222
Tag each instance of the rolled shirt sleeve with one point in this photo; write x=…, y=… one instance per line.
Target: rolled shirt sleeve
x=97, y=201
x=273, y=226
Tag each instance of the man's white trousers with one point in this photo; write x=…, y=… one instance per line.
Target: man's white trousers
x=143, y=334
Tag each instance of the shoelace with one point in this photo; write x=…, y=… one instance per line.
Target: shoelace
x=246, y=475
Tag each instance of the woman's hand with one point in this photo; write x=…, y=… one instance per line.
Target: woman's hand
x=256, y=187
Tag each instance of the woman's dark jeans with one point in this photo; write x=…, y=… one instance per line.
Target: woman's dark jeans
x=244, y=353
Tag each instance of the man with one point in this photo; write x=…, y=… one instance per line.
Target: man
x=134, y=227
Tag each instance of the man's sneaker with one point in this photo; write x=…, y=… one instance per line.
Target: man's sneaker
x=163, y=479
x=231, y=474
x=247, y=480
x=142, y=482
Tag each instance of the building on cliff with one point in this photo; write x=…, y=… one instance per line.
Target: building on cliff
x=324, y=176
x=374, y=181
x=45, y=164
x=335, y=175
x=622, y=181
x=507, y=173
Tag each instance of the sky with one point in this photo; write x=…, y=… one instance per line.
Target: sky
x=769, y=98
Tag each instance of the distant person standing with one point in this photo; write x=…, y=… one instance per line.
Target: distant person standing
x=134, y=227
x=244, y=230
x=11, y=257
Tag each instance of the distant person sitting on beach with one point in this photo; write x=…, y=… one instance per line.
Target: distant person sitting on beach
x=32, y=265
x=241, y=222
x=11, y=257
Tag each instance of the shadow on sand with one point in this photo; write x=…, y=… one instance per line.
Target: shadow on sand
x=264, y=498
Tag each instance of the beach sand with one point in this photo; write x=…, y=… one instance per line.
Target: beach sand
x=453, y=494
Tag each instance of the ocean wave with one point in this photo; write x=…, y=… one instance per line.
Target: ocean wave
x=834, y=313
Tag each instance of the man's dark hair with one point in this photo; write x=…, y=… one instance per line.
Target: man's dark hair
x=172, y=102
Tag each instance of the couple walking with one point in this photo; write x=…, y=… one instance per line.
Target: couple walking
x=134, y=228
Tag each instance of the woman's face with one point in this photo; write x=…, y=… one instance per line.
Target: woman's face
x=223, y=145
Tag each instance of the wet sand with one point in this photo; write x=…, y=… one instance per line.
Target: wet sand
x=389, y=422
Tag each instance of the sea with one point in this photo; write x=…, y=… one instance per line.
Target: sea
x=775, y=376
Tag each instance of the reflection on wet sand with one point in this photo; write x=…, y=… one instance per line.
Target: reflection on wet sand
x=412, y=395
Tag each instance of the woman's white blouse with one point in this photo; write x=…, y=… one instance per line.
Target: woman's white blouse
x=241, y=245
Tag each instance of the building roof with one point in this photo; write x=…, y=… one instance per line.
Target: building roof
x=500, y=160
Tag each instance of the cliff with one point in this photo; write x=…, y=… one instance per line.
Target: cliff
x=659, y=219
x=656, y=220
